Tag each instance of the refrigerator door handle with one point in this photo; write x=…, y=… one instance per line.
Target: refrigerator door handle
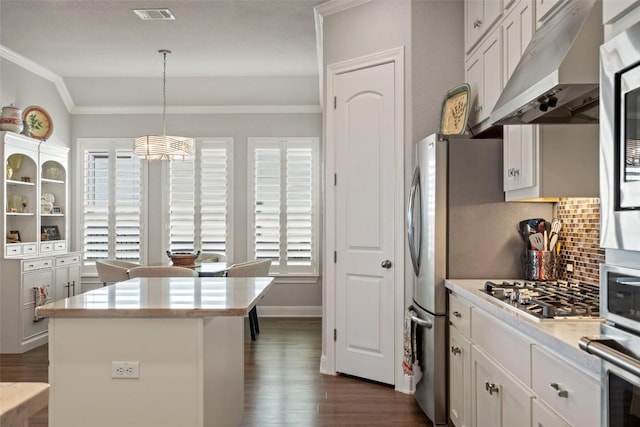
x=413, y=193
x=422, y=322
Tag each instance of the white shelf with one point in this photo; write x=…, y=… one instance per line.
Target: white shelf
x=14, y=182
x=51, y=181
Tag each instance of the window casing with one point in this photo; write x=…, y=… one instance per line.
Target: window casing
x=113, y=202
x=200, y=206
x=283, y=207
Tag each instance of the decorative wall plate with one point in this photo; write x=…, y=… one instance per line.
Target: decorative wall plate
x=38, y=121
x=455, y=109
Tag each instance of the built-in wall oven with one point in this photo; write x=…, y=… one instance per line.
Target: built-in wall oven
x=618, y=345
x=620, y=141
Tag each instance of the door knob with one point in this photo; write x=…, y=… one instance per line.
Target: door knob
x=386, y=264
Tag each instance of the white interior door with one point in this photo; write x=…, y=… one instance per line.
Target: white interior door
x=365, y=222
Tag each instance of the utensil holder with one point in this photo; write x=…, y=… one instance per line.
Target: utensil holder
x=540, y=265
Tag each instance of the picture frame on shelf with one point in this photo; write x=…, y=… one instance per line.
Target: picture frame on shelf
x=13, y=236
x=52, y=232
x=56, y=210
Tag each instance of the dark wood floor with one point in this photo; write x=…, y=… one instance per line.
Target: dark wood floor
x=283, y=386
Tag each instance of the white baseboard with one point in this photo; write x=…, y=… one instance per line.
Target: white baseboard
x=290, y=311
x=323, y=366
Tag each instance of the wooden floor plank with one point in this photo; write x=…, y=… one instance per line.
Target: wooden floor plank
x=283, y=385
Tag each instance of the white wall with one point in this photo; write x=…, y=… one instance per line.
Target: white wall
x=23, y=88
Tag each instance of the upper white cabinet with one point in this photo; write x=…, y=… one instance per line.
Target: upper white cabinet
x=35, y=197
x=613, y=10
x=480, y=16
x=484, y=75
x=551, y=161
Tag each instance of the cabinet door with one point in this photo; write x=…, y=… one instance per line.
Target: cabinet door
x=67, y=281
x=459, y=378
x=475, y=77
x=499, y=399
x=542, y=416
x=474, y=17
x=492, y=63
x=517, y=140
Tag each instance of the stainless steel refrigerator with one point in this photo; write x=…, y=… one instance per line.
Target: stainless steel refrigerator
x=458, y=226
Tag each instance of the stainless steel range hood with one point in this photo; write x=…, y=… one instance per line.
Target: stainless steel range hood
x=556, y=80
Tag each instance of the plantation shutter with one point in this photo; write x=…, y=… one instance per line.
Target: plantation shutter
x=200, y=222
x=112, y=211
x=284, y=203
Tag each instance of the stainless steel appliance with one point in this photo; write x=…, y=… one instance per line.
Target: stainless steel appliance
x=618, y=346
x=620, y=141
x=556, y=79
x=542, y=301
x=458, y=227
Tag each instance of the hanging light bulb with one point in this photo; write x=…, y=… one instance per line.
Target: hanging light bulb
x=163, y=147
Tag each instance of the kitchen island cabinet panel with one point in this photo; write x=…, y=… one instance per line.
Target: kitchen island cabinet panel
x=542, y=416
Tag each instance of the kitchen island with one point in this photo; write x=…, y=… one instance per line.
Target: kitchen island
x=147, y=352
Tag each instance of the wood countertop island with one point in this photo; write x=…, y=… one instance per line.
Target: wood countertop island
x=148, y=352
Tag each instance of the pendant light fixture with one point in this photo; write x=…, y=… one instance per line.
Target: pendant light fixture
x=154, y=147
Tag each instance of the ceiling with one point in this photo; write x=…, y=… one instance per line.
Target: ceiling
x=209, y=39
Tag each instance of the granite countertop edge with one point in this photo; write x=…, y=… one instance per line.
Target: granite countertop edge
x=568, y=349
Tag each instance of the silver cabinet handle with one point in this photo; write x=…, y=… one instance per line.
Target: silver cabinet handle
x=477, y=108
x=455, y=350
x=457, y=314
x=561, y=393
x=386, y=264
x=477, y=23
x=491, y=387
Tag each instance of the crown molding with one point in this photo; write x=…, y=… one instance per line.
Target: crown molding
x=319, y=12
x=218, y=109
x=41, y=71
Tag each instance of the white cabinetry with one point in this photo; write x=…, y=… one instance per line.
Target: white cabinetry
x=66, y=273
x=484, y=75
x=480, y=15
x=459, y=362
x=563, y=388
x=541, y=161
x=613, y=10
x=500, y=377
x=34, y=171
x=500, y=400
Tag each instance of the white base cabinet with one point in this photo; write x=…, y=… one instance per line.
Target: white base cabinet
x=499, y=399
x=500, y=377
x=22, y=281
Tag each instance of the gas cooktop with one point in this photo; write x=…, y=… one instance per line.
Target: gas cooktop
x=548, y=300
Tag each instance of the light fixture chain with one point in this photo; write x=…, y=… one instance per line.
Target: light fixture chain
x=164, y=95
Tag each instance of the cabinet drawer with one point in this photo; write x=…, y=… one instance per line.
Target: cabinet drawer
x=67, y=260
x=30, y=249
x=568, y=391
x=13, y=250
x=507, y=346
x=31, y=328
x=46, y=247
x=460, y=314
x=60, y=246
x=36, y=264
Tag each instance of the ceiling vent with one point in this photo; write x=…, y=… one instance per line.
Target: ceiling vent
x=154, y=14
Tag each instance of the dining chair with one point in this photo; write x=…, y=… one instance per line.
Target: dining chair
x=255, y=268
x=112, y=270
x=161, y=271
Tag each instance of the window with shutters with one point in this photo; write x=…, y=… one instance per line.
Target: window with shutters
x=283, y=188
x=200, y=208
x=112, y=202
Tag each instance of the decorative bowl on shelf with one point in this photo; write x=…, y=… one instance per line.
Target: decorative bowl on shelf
x=183, y=259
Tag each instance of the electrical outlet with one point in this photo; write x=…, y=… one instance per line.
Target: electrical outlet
x=125, y=370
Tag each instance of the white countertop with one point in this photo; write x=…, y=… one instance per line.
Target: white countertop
x=165, y=297
x=559, y=335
